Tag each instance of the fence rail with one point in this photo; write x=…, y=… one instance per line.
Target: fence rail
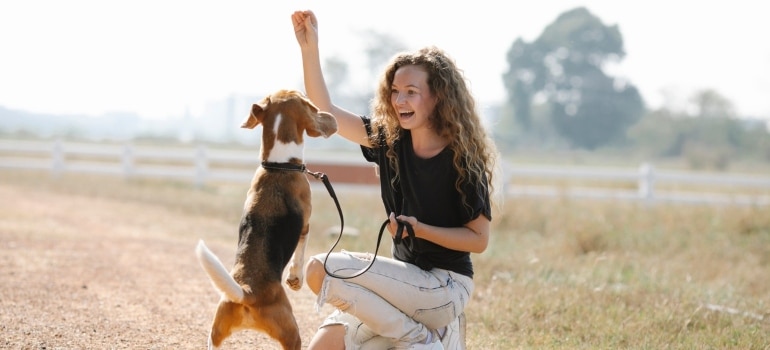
x=201, y=165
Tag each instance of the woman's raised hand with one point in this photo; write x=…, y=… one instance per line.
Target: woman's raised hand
x=305, y=27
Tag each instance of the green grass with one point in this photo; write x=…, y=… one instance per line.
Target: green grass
x=558, y=273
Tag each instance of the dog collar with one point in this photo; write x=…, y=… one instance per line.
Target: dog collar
x=284, y=166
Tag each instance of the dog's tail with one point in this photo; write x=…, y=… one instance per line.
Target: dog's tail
x=218, y=274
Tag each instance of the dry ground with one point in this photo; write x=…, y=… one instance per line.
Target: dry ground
x=108, y=263
x=89, y=272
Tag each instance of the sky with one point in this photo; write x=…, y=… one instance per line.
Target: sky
x=167, y=58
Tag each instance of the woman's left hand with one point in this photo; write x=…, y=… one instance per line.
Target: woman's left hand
x=393, y=225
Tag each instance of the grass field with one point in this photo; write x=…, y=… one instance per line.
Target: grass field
x=558, y=273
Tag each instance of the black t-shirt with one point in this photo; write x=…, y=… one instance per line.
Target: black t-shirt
x=426, y=188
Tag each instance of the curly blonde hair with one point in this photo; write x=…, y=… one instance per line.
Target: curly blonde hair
x=455, y=117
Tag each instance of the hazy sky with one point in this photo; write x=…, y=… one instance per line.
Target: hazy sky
x=161, y=58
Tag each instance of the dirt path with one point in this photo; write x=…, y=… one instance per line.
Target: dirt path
x=80, y=272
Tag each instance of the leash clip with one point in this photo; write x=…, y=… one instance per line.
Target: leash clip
x=317, y=175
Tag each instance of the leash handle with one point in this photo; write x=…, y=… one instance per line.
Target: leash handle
x=400, y=231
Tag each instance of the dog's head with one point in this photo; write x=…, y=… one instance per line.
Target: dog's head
x=286, y=116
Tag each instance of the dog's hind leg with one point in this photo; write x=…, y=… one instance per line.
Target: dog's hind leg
x=277, y=320
x=229, y=318
x=296, y=274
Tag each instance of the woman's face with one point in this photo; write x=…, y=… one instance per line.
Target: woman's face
x=411, y=97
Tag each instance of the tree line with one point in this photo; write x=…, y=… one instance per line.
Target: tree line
x=560, y=96
x=559, y=93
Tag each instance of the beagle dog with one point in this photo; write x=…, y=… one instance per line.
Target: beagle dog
x=273, y=227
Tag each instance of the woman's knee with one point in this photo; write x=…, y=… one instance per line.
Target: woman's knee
x=314, y=274
x=328, y=338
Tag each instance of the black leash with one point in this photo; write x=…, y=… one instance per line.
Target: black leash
x=399, y=231
x=327, y=183
x=325, y=179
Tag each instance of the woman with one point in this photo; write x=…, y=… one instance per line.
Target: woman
x=435, y=164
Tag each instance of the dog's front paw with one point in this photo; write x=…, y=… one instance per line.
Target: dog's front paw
x=294, y=277
x=294, y=282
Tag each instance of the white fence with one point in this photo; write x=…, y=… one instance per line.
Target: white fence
x=201, y=164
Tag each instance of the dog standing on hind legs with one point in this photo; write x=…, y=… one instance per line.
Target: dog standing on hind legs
x=274, y=225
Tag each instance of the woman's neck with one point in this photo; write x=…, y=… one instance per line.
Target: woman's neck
x=427, y=144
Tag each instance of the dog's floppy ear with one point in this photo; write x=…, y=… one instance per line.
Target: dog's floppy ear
x=322, y=123
x=256, y=115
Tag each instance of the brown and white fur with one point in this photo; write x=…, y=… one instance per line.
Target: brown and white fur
x=273, y=228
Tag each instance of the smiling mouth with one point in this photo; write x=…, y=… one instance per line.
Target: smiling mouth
x=406, y=114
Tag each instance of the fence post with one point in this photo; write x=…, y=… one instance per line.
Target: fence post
x=201, y=166
x=128, y=160
x=57, y=158
x=647, y=182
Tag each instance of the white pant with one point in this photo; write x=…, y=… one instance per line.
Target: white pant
x=393, y=299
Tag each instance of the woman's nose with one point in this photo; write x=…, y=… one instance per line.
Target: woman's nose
x=400, y=98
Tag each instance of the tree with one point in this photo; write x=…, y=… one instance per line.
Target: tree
x=707, y=134
x=565, y=65
x=525, y=74
x=709, y=103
